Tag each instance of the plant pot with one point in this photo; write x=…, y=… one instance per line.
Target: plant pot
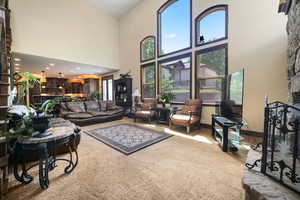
x=40, y=123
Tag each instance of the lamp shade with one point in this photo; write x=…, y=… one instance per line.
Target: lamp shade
x=136, y=93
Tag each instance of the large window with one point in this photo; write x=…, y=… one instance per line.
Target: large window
x=147, y=48
x=211, y=67
x=148, y=81
x=175, y=77
x=174, y=26
x=107, y=88
x=212, y=25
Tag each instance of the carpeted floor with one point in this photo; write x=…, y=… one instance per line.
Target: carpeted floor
x=179, y=168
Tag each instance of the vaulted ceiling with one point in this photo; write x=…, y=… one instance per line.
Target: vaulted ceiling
x=116, y=8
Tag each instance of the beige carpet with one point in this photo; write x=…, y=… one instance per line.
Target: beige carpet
x=176, y=168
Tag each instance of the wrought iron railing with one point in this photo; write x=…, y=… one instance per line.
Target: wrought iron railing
x=281, y=145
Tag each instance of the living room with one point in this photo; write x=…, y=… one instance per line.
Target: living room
x=143, y=99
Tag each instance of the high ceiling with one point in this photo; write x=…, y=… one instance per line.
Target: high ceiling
x=36, y=64
x=116, y=8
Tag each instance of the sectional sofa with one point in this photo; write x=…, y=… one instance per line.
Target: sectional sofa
x=83, y=113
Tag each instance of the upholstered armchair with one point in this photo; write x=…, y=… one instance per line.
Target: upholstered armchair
x=145, y=111
x=188, y=115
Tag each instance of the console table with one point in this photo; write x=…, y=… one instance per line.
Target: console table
x=61, y=135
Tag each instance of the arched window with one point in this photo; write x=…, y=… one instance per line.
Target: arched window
x=174, y=27
x=212, y=25
x=147, y=46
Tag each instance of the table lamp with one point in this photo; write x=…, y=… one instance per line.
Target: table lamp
x=136, y=96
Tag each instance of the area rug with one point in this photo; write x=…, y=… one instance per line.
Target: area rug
x=127, y=138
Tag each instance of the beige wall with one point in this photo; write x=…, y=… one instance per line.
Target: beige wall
x=257, y=42
x=71, y=30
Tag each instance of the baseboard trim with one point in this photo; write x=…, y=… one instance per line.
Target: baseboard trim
x=245, y=132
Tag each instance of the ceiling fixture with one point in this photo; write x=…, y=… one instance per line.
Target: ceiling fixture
x=61, y=75
x=78, y=68
x=48, y=68
x=17, y=68
x=52, y=64
x=17, y=59
x=43, y=77
x=17, y=64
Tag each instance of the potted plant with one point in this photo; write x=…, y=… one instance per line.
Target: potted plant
x=26, y=82
x=95, y=95
x=167, y=98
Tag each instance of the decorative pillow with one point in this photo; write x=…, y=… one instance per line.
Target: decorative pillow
x=110, y=105
x=76, y=106
x=64, y=106
x=92, y=106
x=103, y=106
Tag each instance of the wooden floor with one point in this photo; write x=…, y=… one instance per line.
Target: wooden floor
x=181, y=167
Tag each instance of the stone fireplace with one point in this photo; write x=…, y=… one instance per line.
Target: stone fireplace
x=293, y=30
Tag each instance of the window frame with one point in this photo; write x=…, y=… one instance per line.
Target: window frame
x=206, y=50
x=158, y=22
x=204, y=14
x=141, y=80
x=107, y=78
x=141, y=48
x=187, y=55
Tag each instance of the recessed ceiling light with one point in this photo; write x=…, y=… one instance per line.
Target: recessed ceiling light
x=17, y=64
x=78, y=68
x=48, y=68
x=18, y=71
x=17, y=68
x=17, y=59
x=51, y=64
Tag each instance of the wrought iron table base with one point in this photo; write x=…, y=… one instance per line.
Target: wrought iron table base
x=45, y=164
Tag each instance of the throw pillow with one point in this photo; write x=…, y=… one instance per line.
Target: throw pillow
x=76, y=106
x=103, y=106
x=92, y=106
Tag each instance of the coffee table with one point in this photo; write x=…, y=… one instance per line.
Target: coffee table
x=63, y=133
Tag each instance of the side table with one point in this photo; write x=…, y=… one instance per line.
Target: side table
x=163, y=114
x=222, y=135
x=24, y=146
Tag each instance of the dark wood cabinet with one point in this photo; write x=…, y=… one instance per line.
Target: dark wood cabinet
x=123, y=93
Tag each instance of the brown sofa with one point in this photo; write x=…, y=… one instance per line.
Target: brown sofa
x=83, y=113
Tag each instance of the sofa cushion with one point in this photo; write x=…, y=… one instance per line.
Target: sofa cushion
x=76, y=106
x=180, y=118
x=103, y=106
x=98, y=114
x=64, y=113
x=79, y=116
x=113, y=112
x=64, y=106
x=92, y=106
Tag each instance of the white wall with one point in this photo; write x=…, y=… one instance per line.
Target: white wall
x=257, y=42
x=71, y=30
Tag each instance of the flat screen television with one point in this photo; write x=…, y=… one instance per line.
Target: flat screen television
x=231, y=105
